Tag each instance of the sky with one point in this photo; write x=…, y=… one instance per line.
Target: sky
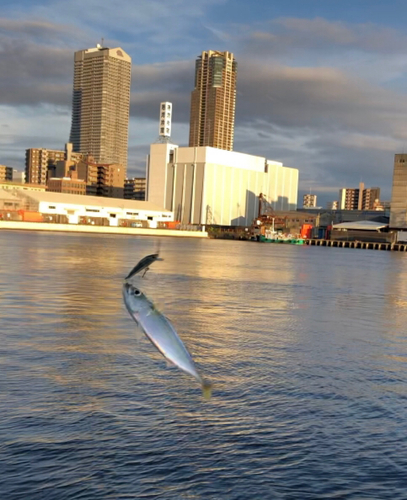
x=321, y=85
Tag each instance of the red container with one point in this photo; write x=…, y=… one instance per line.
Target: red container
x=306, y=230
x=27, y=216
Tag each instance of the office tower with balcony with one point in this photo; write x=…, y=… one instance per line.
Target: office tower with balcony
x=37, y=163
x=213, y=101
x=101, y=104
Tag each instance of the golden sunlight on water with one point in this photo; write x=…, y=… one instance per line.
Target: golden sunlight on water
x=306, y=348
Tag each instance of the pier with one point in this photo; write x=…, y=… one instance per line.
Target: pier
x=366, y=245
x=83, y=228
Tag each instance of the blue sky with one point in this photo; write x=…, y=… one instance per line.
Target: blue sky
x=321, y=83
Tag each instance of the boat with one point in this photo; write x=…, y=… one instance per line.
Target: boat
x=281, y=239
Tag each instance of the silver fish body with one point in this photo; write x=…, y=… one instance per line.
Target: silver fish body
x=161, y=333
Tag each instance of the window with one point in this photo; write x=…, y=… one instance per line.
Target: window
x=52, y=207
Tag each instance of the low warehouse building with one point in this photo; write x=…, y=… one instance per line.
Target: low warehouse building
x=78, y=209
x=365, y=230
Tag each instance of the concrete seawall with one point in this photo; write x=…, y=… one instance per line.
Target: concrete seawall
x=74, y=228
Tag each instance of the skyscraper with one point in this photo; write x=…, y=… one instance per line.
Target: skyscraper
x=213, y=101
x=101, y=104
x=398, y=210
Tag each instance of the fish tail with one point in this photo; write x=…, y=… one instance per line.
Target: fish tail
x=206, y=389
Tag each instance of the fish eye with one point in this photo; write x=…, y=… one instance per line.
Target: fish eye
x=137, y=292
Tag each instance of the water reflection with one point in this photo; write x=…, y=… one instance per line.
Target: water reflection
x=306, y=347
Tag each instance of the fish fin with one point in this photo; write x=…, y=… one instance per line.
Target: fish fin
x=158, y=306
x=206, y=389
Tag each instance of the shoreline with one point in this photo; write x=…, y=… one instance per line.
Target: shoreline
x=75, y=228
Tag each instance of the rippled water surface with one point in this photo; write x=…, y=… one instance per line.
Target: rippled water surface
x=306, y=346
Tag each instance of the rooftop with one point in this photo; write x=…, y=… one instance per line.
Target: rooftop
x=361, y=225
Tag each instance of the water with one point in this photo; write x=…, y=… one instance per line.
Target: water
x=306, y=346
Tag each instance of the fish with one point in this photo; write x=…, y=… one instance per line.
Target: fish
x=159, y=330
x=144, y=263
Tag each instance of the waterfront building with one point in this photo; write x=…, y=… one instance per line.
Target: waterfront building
x=362, y=230
x=213, y=101
x=135, y=188
x=309, y=200
x=101, y=104
x=204, y=185
x=75, y=209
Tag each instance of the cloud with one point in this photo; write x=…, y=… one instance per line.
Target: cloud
x=40, y=30
x=282, y=35
x=153, y=27
x=323, y=98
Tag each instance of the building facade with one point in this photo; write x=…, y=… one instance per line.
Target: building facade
x=349, y=198
x=75, y=209
x=135, y=189
x=110, y=181
x=18, y=175
x=11, y=185
x=213, y=101
x=211, y=186
x=66, y=185
x=359, y=198
x=100, y=179
x=6, y=173
x=309, y=200
x=371, y=198
x=332, y=205
x=37, y=163
x=398, y=204
x=101, y=104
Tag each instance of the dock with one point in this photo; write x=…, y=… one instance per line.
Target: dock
x=82, y=228
x=366, y=245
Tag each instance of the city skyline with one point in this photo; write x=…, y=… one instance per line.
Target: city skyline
x=321, y=87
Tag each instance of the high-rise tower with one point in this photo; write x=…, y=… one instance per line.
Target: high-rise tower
x=101, y=104
x=213, y=101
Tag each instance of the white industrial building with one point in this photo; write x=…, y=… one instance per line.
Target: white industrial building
x=204, y=185
x=76, y=207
